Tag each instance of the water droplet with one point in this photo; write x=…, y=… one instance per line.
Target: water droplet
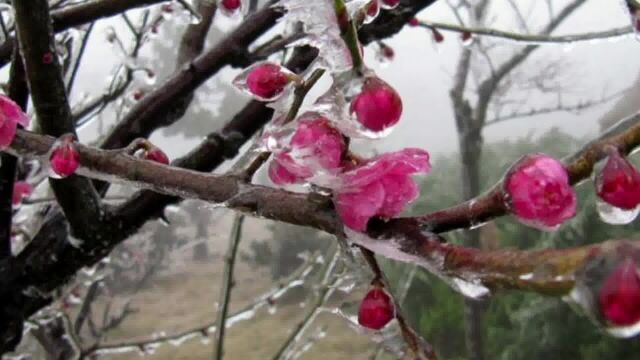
x=614, y=215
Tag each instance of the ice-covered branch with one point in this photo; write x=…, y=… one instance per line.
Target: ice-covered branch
x=225, y=293
x=296, y=279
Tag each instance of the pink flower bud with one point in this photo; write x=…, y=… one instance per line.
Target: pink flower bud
x=380, y=187
x=314, y=147
x=618, y=183
x=231, y=5
x=64, y=158
x=619, y=296
x=21, y=190
x=373, y=9
x=376, y=309
x=437, y=35
x=539, y=192
x=264, y=81
x=378, y=106
x=466, y=37
x=414, y=22
x=267, y=80
x=154, y=153
x=10, y=117
x=387, y=52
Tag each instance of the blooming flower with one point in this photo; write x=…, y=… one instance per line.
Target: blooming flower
x=376, y=309
x=618, y=183
x=539, y=192
x=378, y=106
x=381, y=187
x=619, y=296
x=314, y=147
x=10, y=116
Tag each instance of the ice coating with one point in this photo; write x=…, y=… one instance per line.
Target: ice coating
x=322, y=29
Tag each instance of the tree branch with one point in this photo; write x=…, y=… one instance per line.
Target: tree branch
x=75, y=195
x=227, y=284
x=531, y=38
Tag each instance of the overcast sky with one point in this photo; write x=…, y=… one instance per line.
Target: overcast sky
x=421, y=72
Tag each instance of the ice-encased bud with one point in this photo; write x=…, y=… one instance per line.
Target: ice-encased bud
x=617, y=185
x=264, y=81
x=376, y=309
x=378, y=106
x=64, y=159
x=607, y=288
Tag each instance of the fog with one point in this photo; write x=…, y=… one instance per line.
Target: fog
x=422, y=73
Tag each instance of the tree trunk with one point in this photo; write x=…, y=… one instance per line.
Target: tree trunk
x=470, y=153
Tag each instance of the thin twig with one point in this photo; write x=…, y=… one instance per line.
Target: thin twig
x=326, y=290
x=76, y=66
x=532, y=38
x=227, y=284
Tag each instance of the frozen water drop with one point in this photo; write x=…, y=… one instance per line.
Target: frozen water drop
x=614, y=215
x=470, y=289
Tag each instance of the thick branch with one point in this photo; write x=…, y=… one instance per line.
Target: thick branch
x=19, y=93
x=75, y=195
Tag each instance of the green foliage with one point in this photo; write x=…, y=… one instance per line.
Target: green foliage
x=519, y=326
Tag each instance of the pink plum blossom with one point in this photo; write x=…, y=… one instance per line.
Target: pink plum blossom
x=10, y=117
x=539, y=192
x=21, y=189
x=314, y=147
x=381, y=187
